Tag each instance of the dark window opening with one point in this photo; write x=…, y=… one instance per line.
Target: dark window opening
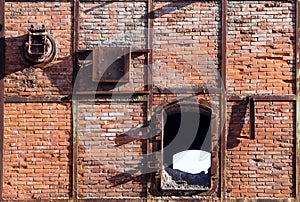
x=186, y=151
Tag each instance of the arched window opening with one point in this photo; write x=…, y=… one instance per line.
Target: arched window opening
x=186, y=148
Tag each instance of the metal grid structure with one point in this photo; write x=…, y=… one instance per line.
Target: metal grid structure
x=230, y=98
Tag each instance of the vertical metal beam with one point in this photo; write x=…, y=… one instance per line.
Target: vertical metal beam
x=2, y=73
x=223, y=101
x=75, y=103
x=75, y=151
x=297, y=174
x=76, y=25
x=149, y=79
x=252, y=117
x=223, y=43
x=149, y=56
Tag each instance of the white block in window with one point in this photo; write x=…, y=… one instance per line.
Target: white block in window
x=192, y=161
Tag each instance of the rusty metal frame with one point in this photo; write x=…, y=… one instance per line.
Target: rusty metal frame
x=252, y=100
x=2, y=74
x=259, y=98
x=203, y=108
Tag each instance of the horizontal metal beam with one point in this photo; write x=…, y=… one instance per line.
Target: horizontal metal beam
x=18, y=99
x=262, y=98
x=200, y=90
x=132, y=51
x=112, y=93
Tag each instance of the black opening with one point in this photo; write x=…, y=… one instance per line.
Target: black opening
x=182, y=131
x=37, y=44
x=187, y=131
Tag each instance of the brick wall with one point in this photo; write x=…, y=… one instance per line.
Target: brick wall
x=260, y=46
x=109, y=157
x=53, y=80
x=37, y=156
x=37, y=136
x=186, y=43
x=112, y=23
x=261, y=167
x=186, y=55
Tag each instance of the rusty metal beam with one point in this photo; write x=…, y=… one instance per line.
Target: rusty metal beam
x=223, y=101
x=223, y=42
x=18, y=99
x=149, y=56
x=111, y=93
x=297, y=51
x=149, y=79
x=263, y=98
x=74, y=151
x=231, y=98
x=252, y=118
x=76, y=24
x=2, y=73
x=194, y=91
x=74, y=185
x=274, y=98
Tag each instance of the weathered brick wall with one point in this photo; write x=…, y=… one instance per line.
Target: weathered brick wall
x=109, y=157
x=187, y=54
x=260, y=47
x=113, y=23
x=261, y=167
x=37, y=155
x=186, y=43
x=37, y=136
x=261, y=39
x=53, y=80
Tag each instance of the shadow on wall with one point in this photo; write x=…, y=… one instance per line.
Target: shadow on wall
x=236, y=124
x=23, y=79
x=109, y=176
x=173, y=6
